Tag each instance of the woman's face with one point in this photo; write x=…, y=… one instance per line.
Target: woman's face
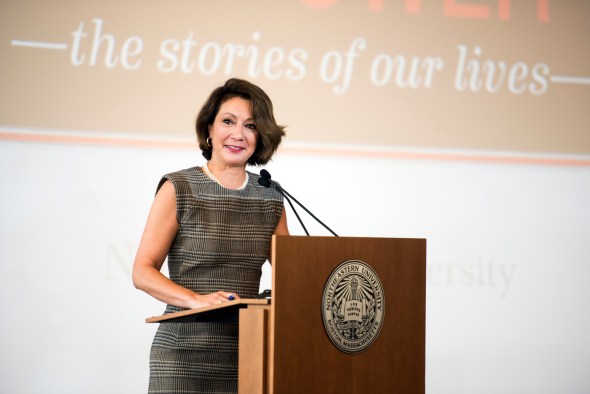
x=233, y=133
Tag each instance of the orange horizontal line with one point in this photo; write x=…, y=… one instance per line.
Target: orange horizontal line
x=443, y=156
x=167, y=144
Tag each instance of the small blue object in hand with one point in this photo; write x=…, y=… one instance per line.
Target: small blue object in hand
x=231, y=297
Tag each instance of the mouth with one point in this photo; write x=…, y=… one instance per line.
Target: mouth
x=234, y=148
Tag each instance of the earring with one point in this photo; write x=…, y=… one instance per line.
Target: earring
x=208, y=141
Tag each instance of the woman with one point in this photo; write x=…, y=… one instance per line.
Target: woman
x=214, y=224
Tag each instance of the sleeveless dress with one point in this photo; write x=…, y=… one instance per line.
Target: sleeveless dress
x=222, y=242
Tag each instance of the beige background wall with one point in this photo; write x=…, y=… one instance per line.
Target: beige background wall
x=485, y=75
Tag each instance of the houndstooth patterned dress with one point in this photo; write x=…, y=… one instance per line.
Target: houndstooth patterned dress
x=222, y=242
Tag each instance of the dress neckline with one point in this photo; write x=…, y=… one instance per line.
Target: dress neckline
x=205, y=169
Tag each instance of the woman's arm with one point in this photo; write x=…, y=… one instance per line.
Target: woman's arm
x=281, y=229
x=158, y=235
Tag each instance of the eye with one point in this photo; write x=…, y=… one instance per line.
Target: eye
x=251, y=126
x=228, y=121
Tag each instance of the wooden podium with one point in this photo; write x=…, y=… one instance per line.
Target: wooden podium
x=288, y=345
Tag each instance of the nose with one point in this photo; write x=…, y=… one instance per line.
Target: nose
x=238, y=132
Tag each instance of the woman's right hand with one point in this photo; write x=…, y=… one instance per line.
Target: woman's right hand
x=216, y=298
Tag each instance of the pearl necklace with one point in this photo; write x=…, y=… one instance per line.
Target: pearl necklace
x=212, y=177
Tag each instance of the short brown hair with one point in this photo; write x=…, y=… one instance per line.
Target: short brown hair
x=269, y=132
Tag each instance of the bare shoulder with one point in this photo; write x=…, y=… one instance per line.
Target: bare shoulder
x=165, y=201
x=167, y=190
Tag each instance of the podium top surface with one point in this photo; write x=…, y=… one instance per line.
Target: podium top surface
x=236, y=304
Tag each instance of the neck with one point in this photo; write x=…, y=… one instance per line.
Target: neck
x=231, y=177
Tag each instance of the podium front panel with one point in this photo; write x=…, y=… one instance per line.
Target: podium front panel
x=304, y=357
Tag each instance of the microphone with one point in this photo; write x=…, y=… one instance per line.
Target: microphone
x=265, y=180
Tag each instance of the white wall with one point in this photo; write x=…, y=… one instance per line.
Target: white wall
x=507, y=262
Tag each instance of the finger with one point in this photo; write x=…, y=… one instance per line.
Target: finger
x=229, y=296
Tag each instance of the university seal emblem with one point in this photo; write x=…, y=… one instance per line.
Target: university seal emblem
x=353, y=306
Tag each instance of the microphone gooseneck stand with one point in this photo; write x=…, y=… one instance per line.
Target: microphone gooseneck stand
x=265, y=180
